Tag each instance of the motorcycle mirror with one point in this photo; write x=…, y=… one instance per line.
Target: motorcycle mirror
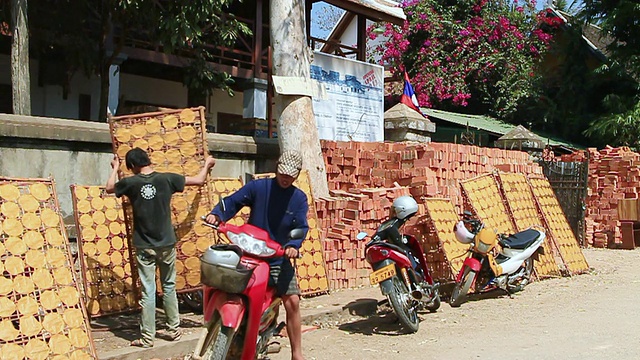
x=467, y=213
x=296, y=234
x=361, y=235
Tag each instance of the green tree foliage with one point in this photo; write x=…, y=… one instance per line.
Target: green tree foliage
x=573, y=92
x=475, y=56
x=88, y=36
x=619, y=18
x=620, y=124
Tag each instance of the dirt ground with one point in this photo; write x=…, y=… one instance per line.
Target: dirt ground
x=590, y=316
x=115, y=332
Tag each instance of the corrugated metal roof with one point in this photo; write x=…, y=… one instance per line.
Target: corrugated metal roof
x=479, y=122
x=486, y=123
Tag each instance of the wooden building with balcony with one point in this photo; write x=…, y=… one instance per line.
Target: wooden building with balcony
x=145, y=77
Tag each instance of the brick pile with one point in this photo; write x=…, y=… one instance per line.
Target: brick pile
x=343, y=216
x=429, y=170
x=364, y=178
x=614, y=175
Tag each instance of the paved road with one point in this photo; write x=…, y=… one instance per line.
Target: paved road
x=590, y=316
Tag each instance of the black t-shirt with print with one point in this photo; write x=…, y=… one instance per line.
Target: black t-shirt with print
x=150, y=196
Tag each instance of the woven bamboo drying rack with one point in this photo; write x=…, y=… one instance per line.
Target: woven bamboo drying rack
x=521, y=205
x=558, y=227
x=483, y=197
x=40, y=290
x=108, y=267
x=175, y=141
x=222, y=187
x=441, y=219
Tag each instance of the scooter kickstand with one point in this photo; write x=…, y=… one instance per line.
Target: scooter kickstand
x=274, y=347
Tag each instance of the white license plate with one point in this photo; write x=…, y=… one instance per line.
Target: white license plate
x=382, y=274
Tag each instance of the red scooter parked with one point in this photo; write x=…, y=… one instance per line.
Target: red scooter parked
x=240, y=308
x=400, y=266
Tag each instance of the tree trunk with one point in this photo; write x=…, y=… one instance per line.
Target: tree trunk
x=20, y=77
x=297, y=128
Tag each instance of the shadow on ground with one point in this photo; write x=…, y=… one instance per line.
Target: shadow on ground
x=126, y=326
x=377, y=318
x=492, y=294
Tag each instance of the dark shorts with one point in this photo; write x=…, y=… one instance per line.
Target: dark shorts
x=284, y=278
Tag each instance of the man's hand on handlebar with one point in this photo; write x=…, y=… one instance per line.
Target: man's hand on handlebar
x=291, y=253
x=212, y=219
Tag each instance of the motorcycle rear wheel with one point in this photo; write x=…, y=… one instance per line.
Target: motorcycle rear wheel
x=528, y=269
x=526, y=277
x=400, y=301
x=459, y=293
x=218, y=341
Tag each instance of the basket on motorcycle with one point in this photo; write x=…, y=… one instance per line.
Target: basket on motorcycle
x=220, y=269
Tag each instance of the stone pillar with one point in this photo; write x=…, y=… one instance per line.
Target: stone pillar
x=399, y=130
x=114, y=83
x=254, y=103
x=401, y=123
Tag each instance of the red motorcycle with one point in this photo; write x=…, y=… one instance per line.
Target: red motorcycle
x=400, y=266
x=240, y=306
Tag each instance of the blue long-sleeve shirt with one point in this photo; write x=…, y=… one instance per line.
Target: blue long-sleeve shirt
x=274, y=209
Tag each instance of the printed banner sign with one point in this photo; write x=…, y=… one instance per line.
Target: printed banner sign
x=354, y=107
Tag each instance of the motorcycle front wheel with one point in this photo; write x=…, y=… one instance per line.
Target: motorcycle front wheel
x=401, y=302
x=459, y=293
x=218, y=341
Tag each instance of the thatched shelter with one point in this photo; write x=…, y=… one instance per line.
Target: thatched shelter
x=520, y=138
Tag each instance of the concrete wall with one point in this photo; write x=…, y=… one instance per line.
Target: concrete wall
x=79, y=152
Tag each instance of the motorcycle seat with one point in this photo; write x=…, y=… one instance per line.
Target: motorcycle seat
x=520, y=240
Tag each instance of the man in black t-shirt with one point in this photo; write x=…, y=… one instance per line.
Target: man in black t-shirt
x=154, y=237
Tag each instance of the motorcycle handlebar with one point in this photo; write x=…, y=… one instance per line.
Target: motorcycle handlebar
x=475, y=223
x=204, y=220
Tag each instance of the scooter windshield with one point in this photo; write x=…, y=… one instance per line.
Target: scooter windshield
x=389, y=230
x=387, y=224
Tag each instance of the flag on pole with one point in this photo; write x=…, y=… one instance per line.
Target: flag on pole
x=409, y=96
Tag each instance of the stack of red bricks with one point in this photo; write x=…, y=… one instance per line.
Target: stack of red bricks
x=614, y=174
x=429, y=170
x=352, y=212
x=364, y=178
